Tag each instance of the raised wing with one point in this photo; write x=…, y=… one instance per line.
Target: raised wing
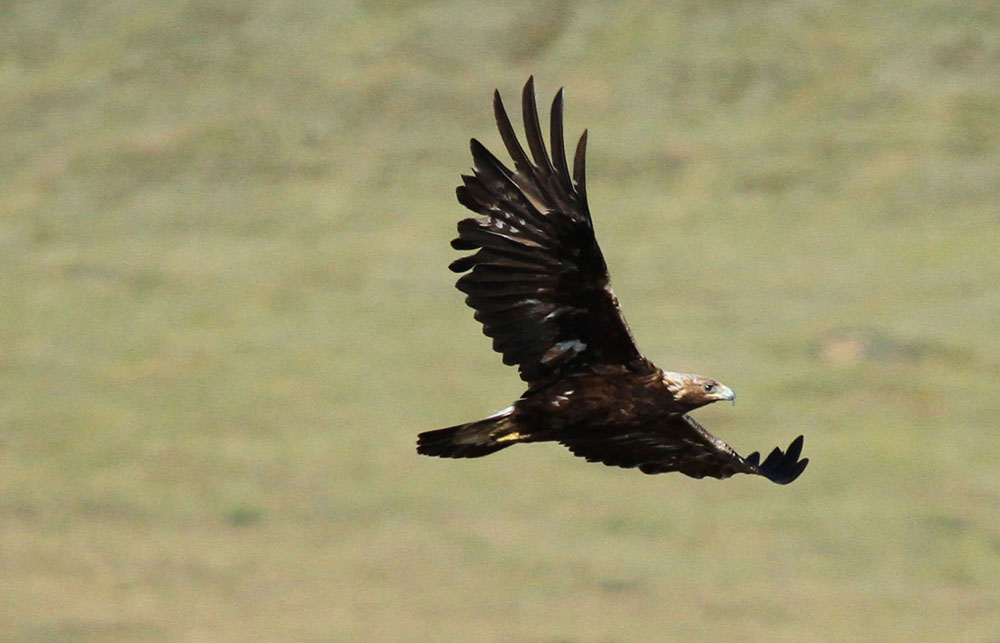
x=684, y=445
x=538, y=281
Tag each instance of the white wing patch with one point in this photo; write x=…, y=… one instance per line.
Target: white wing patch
x=562, y=310
x=574, y=345
x=563, y=350
x=501, y=412
x=558, y=401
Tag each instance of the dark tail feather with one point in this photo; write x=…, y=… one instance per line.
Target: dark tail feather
x=472, y=440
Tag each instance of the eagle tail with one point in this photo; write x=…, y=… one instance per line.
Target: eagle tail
x=472, y=440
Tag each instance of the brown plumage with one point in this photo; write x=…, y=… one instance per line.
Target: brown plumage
x=539, y=285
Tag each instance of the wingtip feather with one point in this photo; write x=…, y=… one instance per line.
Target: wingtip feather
x=558, y=143
x=784, y=468
x=533, y=128
x=580, y=165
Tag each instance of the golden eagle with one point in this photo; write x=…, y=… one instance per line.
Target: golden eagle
x=540, y=287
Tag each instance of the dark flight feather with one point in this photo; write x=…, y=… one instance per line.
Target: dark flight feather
x=535, y=228
x=539, y=285
x=558, y=144
x=682, y=444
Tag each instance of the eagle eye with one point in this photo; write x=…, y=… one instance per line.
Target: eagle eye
x=709, y=387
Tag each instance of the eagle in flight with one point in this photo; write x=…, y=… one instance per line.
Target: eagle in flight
x=539, y=285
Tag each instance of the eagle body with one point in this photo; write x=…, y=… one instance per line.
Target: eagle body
x=539, y=285
x=579, y=400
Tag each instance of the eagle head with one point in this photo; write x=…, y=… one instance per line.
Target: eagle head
x=694, y=391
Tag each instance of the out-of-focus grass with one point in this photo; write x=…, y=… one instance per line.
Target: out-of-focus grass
x=226, y=314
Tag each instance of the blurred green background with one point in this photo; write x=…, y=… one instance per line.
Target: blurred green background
x=226, y=314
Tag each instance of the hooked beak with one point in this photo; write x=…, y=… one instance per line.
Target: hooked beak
x=727, y=394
